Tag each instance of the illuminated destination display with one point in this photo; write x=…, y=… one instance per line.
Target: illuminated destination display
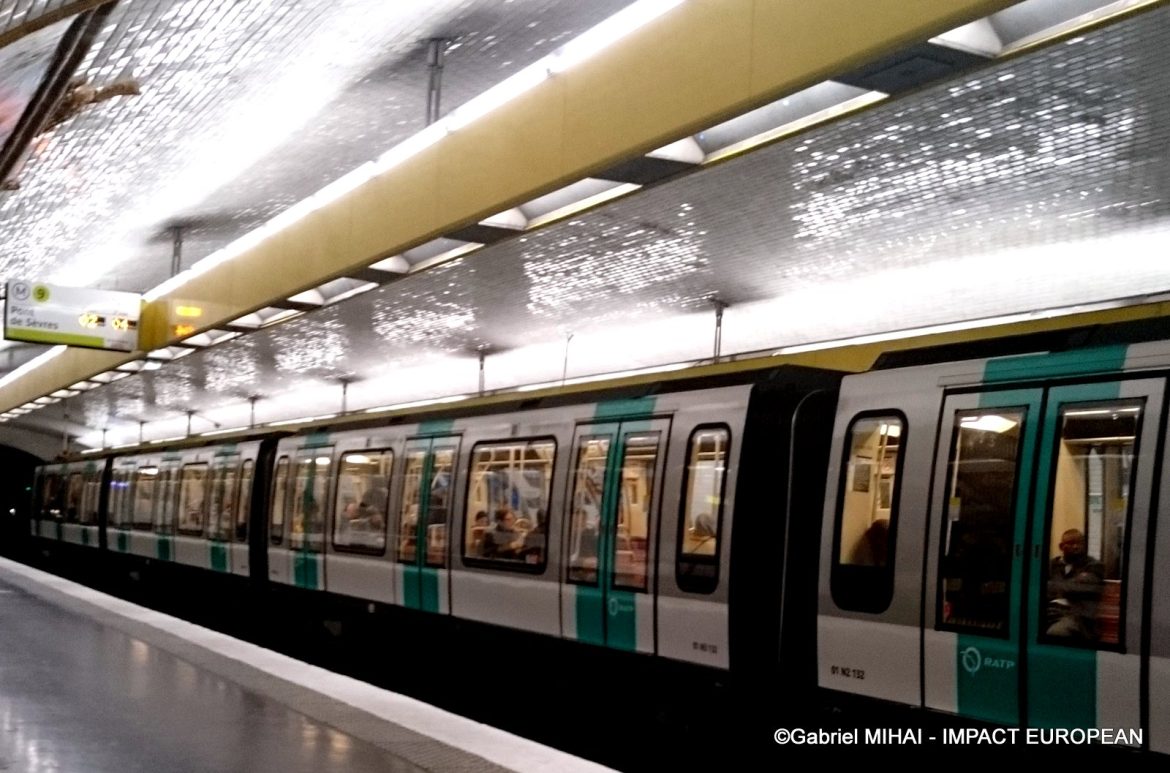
x=75, y=316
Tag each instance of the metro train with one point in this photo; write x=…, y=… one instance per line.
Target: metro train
x=965, y=531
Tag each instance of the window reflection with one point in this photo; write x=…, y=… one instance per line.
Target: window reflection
x=980, y=525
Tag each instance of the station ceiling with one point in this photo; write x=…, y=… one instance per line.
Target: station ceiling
x=1038, y=183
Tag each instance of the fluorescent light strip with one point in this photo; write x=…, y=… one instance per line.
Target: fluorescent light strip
x=1047, y=19
x=290, y=422
x=499, y=95
x=444, y=257
x=1101, y=411
x=792, y=127
x=608, y=32
x=168, y=439
x=606, y=376
x=223, y=431
x=417, y=404
x=617, y=191
x=92, y=451
x=991, y=422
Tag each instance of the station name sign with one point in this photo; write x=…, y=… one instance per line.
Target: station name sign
x=74, y=316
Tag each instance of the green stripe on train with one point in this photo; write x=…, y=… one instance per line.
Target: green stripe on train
x=218, y=556
x=988, y=670
x=1105, y=359
x=436, y=427
x=1062, y=681
x=306, y=570
x=420, y=583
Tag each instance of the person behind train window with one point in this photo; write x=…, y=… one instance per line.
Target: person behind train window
x=479, y=527
x=371, y=509
x=585, y=554
x=503, y=539
x=1075, y=581
x=532, y=549
x=872, y=548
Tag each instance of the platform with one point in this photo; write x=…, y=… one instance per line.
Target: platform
x=90, y=682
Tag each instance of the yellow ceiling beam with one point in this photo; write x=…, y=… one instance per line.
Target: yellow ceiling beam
x=697, y=65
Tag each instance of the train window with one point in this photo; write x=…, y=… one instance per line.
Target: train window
x=244, y=500
x=979, y=529
x=224, y=479
x=120, y=500
x=363, y=495
x=411, y=496
x=1082, y=603
x=51, y=496
x=697, y=564
x=508, y=503
x=145, y=483
x=310, y=489
x=73, y=497
x=439, y=505
x=585, y=513
x=279, y=500
x=90, y=497
x=164, y=521
x=631, y=544
x=193, y=499
x=862, y=575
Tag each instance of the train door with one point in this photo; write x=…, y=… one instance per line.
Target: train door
x=239, y=558
x=1042, y=497
x=424, y=522
x=307, y=509
x=612, y=533
x=164, y=513
x=221, y=513
x=279, y=561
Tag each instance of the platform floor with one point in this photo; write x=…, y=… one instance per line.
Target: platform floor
x=92, y=683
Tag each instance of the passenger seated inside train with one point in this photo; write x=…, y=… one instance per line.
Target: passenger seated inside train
x=532, y=549
x=407, y=535
x=1075, y=582
x=479, y=526
x=872, y=548
x=503, y=539
x=700, y=537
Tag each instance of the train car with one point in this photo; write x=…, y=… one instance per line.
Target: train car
x=612, y=519
x=990, y=546
x=68, y=502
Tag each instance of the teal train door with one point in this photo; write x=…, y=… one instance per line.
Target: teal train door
x=1042, y=511
x=424, y=522
x=983, y=479
x=1088, y=536
x=612, y=519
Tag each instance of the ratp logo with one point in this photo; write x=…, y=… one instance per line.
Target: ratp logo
x=972, y=659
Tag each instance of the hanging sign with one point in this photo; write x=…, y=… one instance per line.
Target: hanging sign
x=74, y=316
